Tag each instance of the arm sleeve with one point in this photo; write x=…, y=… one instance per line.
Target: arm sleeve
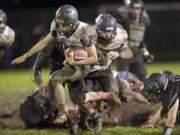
x=89, y=36
x=42, y=57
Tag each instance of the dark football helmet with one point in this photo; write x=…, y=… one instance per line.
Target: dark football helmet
x=139, y=2
x=154, y=86
x=156, y=83
x=168, y=74
x=37, y=110
x=106, y=26
x=66, y=18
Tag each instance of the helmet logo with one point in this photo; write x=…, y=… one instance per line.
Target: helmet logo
x=153, y=87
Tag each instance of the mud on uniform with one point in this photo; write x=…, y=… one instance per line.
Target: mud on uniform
x=136, y=32
x=83, y=34
x=7, y=37
x=54, y=55
x=105, y=77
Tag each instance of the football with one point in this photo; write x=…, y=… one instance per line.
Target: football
x=77, y=53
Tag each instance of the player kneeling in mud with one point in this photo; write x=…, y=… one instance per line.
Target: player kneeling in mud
x=168, y=91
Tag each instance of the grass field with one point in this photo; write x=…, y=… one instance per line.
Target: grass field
x=15, y=85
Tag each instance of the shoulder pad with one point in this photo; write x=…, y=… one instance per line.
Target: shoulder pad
x=88, y=36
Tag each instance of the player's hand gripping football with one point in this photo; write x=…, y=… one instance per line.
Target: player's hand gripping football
x=69, y=57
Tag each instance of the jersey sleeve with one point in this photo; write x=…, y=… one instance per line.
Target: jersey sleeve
x=89, y=36
x=121, y=38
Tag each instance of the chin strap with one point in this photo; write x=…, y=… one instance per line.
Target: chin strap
x=167, y=131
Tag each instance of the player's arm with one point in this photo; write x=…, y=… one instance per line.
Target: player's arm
x=145, y=52
x=37, y=47
x=171, y=118
x=40, y=59
x=125, y=52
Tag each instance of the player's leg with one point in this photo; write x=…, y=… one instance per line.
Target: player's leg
x=138, y=68
x=57, y=79
x=110, y=84
x=77, y=91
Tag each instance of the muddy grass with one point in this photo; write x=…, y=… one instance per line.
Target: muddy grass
x=9, y=114
x=13, y=91
x=10, y=122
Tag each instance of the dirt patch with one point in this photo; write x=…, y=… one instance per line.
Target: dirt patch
x=9, y=110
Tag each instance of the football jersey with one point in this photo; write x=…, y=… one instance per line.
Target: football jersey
x=83, y=35
x=171, y=92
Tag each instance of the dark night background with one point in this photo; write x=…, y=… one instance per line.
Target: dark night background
x=31, y=19
x=55, y=3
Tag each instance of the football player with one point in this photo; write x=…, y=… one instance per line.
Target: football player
x=74, y=34
x=111, y=44
x=167, y=89
x=7, y=35
x=136, y=23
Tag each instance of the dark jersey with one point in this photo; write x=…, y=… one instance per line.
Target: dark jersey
x=136, y=29
x=53, y=55
x=171, y=93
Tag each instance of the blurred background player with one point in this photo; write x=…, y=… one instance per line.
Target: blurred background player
x=124, y=9
x=135, y=23
x=7, y=35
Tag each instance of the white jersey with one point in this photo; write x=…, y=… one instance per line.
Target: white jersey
x=82, y=33
x=7, y=37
